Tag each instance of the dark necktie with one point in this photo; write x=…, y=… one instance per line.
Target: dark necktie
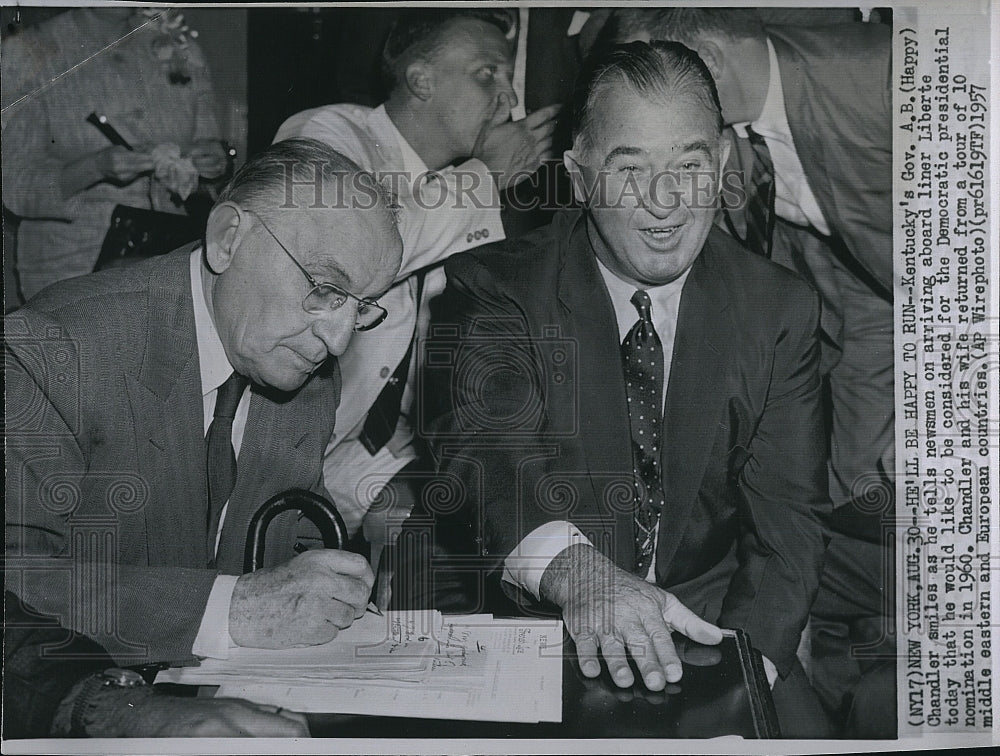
x=642, y=359
x=221, y=457
x=760, y=199
x=380, y=424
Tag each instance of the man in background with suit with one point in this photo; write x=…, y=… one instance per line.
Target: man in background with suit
x=443, y=142
x=152, y=409
x=814, y=105
x=682, y=485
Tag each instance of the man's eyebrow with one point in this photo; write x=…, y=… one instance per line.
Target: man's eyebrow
x=619, y=151
x=699, y=145
x=333, y=273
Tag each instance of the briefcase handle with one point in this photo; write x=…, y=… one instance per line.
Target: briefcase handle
x=321, y=511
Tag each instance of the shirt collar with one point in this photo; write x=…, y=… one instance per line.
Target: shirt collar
x=772, y=122
x=212, y=360
x=384, y=128
x=664, y=298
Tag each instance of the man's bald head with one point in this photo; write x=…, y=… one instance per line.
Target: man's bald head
x=296, y=219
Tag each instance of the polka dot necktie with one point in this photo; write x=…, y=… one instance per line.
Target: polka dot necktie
x=642, y=359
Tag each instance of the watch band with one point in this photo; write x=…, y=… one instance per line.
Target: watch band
x=85, y=705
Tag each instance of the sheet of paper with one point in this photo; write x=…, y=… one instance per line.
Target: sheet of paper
x=399, y=646
x=479, y=668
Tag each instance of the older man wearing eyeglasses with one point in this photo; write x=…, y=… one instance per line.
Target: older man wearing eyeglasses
x=152, y=409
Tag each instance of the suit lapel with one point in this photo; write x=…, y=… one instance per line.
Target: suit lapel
x=167, y=414
x=695, y=395
x=603, y=409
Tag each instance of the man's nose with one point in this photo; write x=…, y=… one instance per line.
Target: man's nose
x=663, y=195
x=335, y=329
x=508, y=89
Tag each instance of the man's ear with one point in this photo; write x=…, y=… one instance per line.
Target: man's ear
x=713, y=57
x=223, y=234
x=574, y=168
x=420, y=80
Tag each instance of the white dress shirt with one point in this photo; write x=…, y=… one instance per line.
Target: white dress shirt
x=793, y=199
x=525, y=565
x=433, y=226
x=213, y=634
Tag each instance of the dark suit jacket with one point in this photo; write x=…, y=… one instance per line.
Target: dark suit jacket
x=838, y=98
x=524, y=405
x=106, y=525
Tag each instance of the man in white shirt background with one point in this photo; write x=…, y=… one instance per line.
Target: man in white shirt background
x=444, y=144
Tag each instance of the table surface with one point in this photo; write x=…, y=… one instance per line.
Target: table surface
x=710, y=701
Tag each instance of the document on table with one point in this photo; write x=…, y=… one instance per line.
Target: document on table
x=413, y=664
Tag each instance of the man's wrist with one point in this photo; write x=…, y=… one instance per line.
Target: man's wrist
x=92, y=709
x=576, y=568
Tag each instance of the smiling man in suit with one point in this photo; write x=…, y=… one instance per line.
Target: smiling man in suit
x=680, y=484
x=815, y=105
x=152, y=409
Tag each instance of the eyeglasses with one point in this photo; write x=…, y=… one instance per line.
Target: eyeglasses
x=325, y=297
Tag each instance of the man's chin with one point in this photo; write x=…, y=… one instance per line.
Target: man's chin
x=284, y=381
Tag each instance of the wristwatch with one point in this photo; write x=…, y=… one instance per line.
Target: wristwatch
x=84, y=707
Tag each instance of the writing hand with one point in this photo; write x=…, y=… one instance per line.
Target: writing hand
x=613, y=613
x=303, y=602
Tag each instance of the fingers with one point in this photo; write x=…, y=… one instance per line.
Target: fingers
x=613, y=651
x=543, y=131
x=245, y=719
x=207, y=148
x=656, y=657
x=501, y=112
x=644, y=651
x=542, y=116
x=543, y=151
x=121, y=164
x=339, y=562
x=682, y=619
x=696, y=654
x=586, y=654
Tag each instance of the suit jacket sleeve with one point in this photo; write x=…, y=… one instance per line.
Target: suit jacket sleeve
x=783, y=487
x=482, y=372
x=65, y=528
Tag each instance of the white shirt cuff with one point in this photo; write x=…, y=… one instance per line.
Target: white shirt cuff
x=525, y=565
x=213, y=638
x=770, y=670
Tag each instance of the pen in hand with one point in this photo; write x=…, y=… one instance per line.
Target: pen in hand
x=378, y=603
